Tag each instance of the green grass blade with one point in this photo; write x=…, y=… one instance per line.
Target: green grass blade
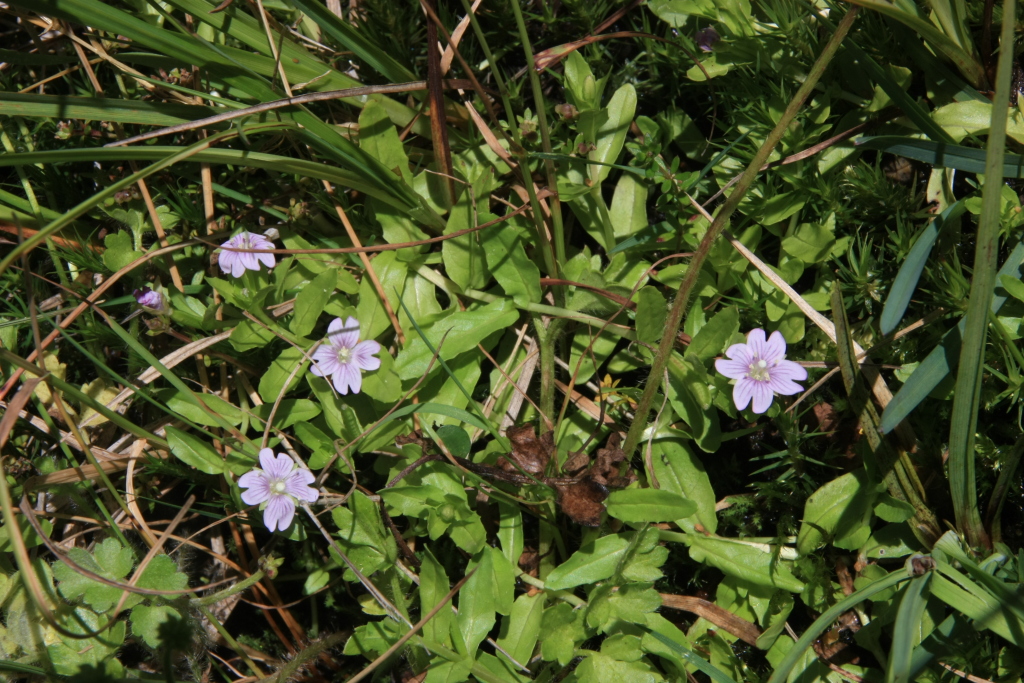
x=910, y=272
x=968, y=65
x=908, y=620
x=943, y=155
x=972, y=354
x=685, y=657
x=101, y=109
x=352, y=39
x=945, y=357
x=824, y=622
x=234, y=157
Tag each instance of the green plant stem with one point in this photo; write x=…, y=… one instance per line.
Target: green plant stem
x=545, y=136
x=962, y=485
x=720, y=223
x=546, y=338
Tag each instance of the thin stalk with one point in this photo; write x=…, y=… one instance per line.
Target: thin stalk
x=545, y=136
x=962, y=486
x=546, y=338
x=721, y=222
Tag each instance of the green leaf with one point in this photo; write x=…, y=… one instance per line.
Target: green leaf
x=476, y=603
x=455, y=439
x=512, y=268
x=377, y=135
x=811, y=242
x=595, y=561
x=908, y=623
x=162, y=574
x=628, y=212
x=310, y=302
x=520, y=630
x=184, y=405
x=651, y=312
x=119, y=251
x=465, y=329
x=1013, y=286
x=835, y=509
x=678, y=469
x=890, y=509
x=910, y=272
x=563, y=628
x=272, y=383
x=464, y=259
x=611, y=134
x=715, y=335
x=195, y=452
x=648, y=505
x=289, y=412
x=433, y=588
x=944, y=155
x=659, y=644
x=743, y=561
x=510, y=531
x=944, y=357
x=148, y=620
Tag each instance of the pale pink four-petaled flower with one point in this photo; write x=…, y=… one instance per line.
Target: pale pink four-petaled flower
x=344, y=357
x=279, y=484
x=237, y=262
x=761, y=370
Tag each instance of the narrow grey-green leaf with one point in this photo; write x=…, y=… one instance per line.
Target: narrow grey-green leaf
x=910, y=272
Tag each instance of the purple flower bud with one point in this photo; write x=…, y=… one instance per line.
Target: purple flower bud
x=706, y=38
x=147, y=298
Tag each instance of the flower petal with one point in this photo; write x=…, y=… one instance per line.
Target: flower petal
x=789, y=370
x=762, y=397
x=756, y=343
x=277, y=467
x=741, y=353
x=742, y=392
x=353, y=378
x=345, y=335
x=784, y=386
x=298, y=485
x=775, y=347
x=258, y=487
x=733, y=369
x=279, y=512
x=363, y=355
x=237, y=267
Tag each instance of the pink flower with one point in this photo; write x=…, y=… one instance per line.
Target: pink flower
x=761, y=370
x=344, y=356
x=147, y=298
x=237, y=262
x=278, y=484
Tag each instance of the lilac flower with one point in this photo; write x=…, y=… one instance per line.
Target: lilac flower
x=237, y=262
x=147, y=298
x=761, y=370
x=344, y=356
x=706, y=38
x=278, y=484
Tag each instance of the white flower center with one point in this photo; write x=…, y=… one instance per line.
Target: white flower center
x=278, y=487
x=344, y=355
x=758, y=371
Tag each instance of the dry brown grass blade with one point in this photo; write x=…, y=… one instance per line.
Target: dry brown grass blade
x=722, y=618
